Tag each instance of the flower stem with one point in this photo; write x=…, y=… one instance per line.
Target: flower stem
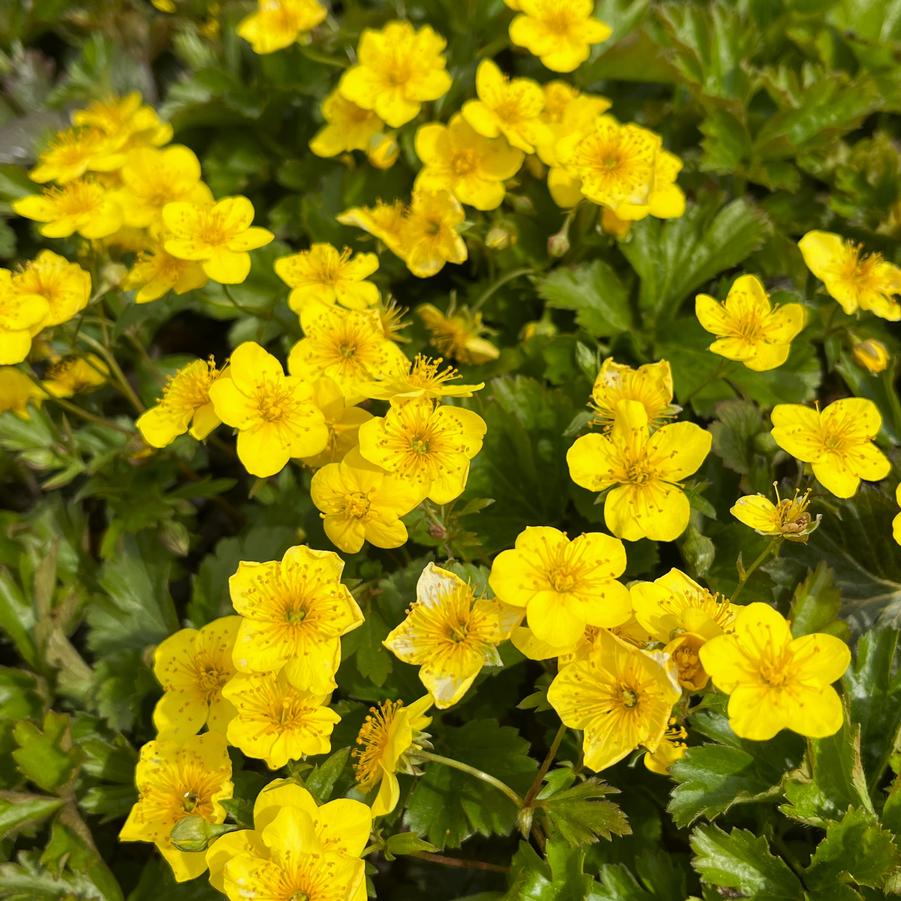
x=460, y=862
x=116, y=371
x=772, y=547
x=720, y=369
x=472, y=771
x=489, y=292
x=535, y=787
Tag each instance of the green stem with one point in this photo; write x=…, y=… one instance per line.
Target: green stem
x=535, y=787
x=75, y=410
x=119, y=376
x=720, y=369
x=460, y=862
x=491, y=290
x=773, y=546
x=472, y=771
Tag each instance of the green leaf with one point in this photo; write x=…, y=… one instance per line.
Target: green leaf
x=816, y=602
x=743, y=861
x=20, y=809
x=46, y=757
x=558, y=878
x=71, y=850
x=16, y=616
x=595, y=292
x=737, y=425
x=855, y=849
x=581, y=815
x=405, y=843
x=323, y=777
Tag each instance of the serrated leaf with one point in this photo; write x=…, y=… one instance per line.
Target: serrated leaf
x=743, y=861
x=20, y=809
x=738, y=422
x=816, y=602
x=405, y=843
x=46, y=756
x=322, y=779
x=596, y=294
x=581, y=815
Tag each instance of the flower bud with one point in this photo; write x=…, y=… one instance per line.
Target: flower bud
x=383, y=151
x=558, y=244
x=872, y=355
x=498, y=238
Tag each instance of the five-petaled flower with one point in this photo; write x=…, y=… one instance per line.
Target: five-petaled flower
x=787, y=518
x=277, y=24
x=323, y=275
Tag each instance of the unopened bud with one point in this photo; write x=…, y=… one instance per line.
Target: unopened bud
x=383, y=151
x=872, y=355
x=194, y=833
x=498, y=238
x=113, y=274
x=558, y=245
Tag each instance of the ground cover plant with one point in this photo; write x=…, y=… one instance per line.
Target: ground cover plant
x=449, y=450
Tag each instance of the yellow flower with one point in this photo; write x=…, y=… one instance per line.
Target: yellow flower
x=185, y=405
x=217, y=236
x=621, y=697
x=151, y=178
x=424, y=380
x=127, y=118
x=279, y=23
x=564, y=585
x=156, y=272
x=427, y=447
x=81, y=206
x=17, y=391
x=776, y=682
x=384, y=221
x=192, y=666
x=675, y=604
x=273, y=413
x=391, y=734
x=472, y=167
x=837, y=442
x=76, y=151
x=747, y=327
x=348, y=127
x=70, y=375
x=348, y=346
x=178, y=779
x=872, y=355
x=398, y=69
x=342, y=420
x=361, y=502
x=896, y=522
x=295, y=611
x=787, y=518
x=458, y=333
x=651, y=385
x=508, y=107
x=856, y=280
x=450, y=634
x=323, y=275
x=65, y=286
x=430, y=235
x=670, y=749
x=21, y=316
x=275, y=721
x=643, y=470
x=340, y=827
x=559, y=32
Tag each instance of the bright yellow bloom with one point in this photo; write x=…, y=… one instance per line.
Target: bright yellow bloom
x=837, y=442
x=621, y=697
x=342, y=420
x=458, y=333
x=70, y=375
x=856, y=280
x=156, y=272
x=76, y=151
x=872, y=355
x=450, y=634
x=651, y=385
x=127, y=118
x=275, y=721
x=277, y=24
x=559, y=32
x=185, y=405
x=178, y=779
x=192, y=666
x=17, y=391
x=273, y=413
x=747, y=327
x=323, y=275
x=295, y=611
x=390, y=736
x=643, y=470
x=65, y=286
x=430, y=236
x=458, y=159
x=348, y=346
x=787, y=518
x=670, y=749
x=427, y=447
x=360, y=502
x=564, y=585
x=151, y=178
x=775, y=682
x=21, y=316
x=424, y=380
x=508, y=107
x=348, y=127
x=217, y=236
x=398, y=69
x=340, y=827
x=896, y=522
x=384, y=221
x=81, y=206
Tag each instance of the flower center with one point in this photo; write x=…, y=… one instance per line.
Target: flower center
x=637, y=473
x=419, y=444
x=628, y=697
x=357, y=505
x=189, y=801
x=463, y=162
